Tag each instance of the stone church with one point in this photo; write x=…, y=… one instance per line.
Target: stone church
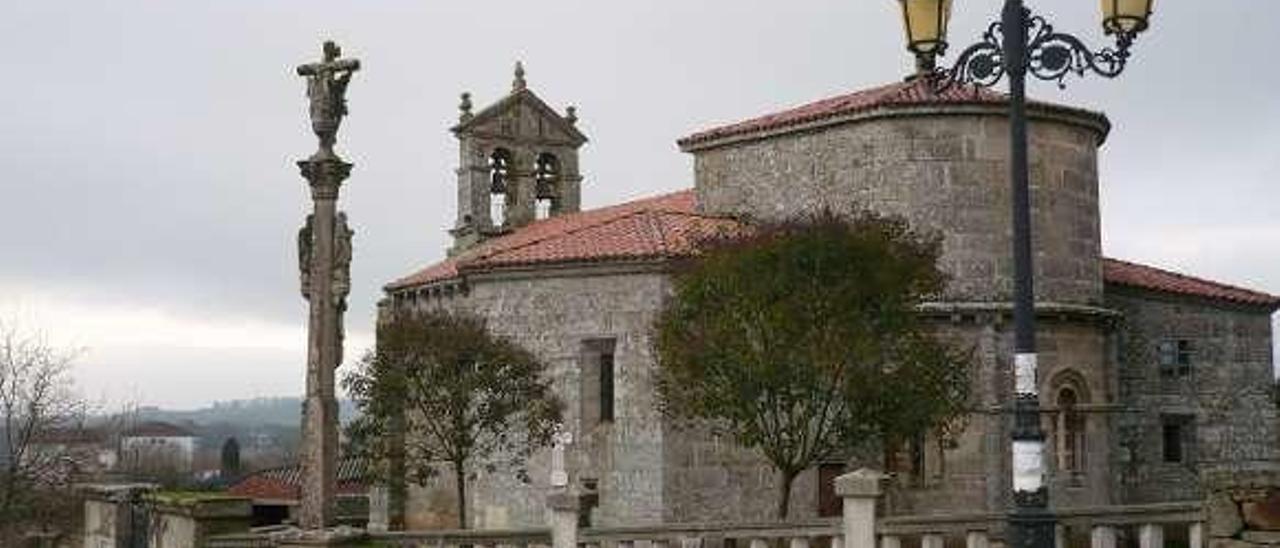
x=1147, y=377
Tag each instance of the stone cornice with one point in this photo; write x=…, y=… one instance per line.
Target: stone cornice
x=1036, y=112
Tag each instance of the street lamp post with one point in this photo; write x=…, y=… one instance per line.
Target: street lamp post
x=1020, y=44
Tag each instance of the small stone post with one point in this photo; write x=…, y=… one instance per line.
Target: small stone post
x=976, y=539
x=564, y=519
x=860, y=490
x=1102, y=536
x=1151, y=535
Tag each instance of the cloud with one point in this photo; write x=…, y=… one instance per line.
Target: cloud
x=145, y=354
x=148, y=147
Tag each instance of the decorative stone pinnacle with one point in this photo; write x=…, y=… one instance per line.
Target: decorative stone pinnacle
x=465, y=106
x=519, y=83
x=571, y=114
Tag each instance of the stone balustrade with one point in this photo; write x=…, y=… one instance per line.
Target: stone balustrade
x=815, y=534
x=1147, y=526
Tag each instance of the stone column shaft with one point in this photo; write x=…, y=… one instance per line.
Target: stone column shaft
x=564, y=519
x=320, y=412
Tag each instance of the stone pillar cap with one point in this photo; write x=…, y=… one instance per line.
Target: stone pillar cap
x=861, y=483
x=563, y=500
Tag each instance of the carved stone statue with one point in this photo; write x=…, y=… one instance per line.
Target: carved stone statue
x=559, y=474
x=306, y=245
x=327, y=88
x=341, y=260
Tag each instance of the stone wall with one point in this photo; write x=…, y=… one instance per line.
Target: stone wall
x=1242, y=509
x=944, y=169
x=187, y=520
x=555, y=315
x=1225, y=392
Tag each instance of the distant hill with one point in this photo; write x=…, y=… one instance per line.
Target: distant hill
x=282, y=412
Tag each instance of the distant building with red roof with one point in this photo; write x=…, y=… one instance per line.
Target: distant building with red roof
x=1147, y=376
x=276, y=493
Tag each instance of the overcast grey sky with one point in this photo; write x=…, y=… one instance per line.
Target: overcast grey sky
x=150, y=200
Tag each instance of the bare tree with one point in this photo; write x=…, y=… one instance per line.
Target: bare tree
x=36, y=399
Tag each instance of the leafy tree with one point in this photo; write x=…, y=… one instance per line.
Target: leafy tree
x=230, y=458
x=803, y=341
x=454, y=395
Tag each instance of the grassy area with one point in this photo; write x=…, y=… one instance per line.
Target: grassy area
x=184, y=498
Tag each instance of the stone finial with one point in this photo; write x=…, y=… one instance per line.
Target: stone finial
x=519, y=83
x=465, y=107
x=571, y=115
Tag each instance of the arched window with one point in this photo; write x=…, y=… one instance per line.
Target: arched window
x=546, y=175
x=1070, y=432
x=499, y=188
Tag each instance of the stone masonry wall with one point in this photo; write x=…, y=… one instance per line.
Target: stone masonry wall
x=1226, y=392
x=711, y=479
x=943, y=171
x=1242, y=509
x=553, y=315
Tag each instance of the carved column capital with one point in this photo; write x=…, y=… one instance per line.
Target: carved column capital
x=325, y=176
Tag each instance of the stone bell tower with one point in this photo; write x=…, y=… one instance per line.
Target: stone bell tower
x=518, y=163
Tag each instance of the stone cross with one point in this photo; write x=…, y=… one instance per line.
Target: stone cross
x=324, y=258
x=559, y=476
x=327, y=88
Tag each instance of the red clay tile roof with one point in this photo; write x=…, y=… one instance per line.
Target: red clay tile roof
x=1129, y=274
x=652, y=228
x=666, y=227
x=284, y=483
x=901, y=94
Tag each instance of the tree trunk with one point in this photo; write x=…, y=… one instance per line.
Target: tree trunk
x=784, y=494
x=460, y=477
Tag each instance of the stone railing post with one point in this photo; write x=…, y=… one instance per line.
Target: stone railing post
x=564, y=519
x=859, y=490
x=976, y=539
x=1195, y=535
x=932, y=540
x=1102, y=536
x=1151, y=535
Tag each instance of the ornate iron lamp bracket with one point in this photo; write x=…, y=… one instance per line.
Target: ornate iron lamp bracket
x=1050, y=55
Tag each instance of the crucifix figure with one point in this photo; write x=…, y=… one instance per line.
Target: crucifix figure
x=327, y=88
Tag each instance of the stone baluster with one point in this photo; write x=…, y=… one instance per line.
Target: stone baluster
x=976, y=539
x=837, y=541
x=1102, y=536
x=1151, y=535
x=859, y=491
x=1059, y=536
x=1195, y=535
x=887, y=541
x=932, y=540
x=564, y=520
x=799, y=542
x=757, y=542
